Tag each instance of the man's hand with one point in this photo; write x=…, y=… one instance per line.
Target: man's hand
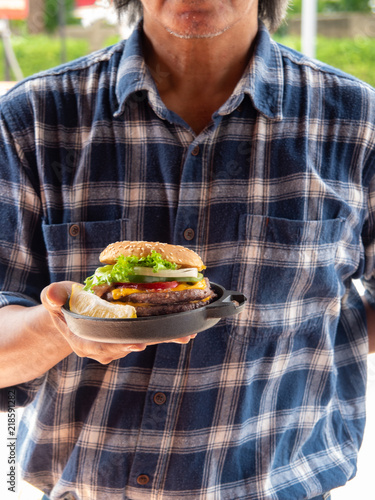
x=54, y=296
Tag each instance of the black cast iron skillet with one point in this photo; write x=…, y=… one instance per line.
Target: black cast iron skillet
x=157, y=328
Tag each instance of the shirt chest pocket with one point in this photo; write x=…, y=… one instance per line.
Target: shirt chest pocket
x=73, y=248
x=287, y=269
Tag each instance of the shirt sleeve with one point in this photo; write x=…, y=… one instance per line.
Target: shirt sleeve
x=23, y=269
x=20, y=395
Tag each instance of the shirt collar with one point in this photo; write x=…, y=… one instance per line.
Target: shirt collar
x=134, y=78
x=263, y=79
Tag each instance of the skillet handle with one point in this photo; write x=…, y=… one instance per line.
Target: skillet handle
x=229, y=304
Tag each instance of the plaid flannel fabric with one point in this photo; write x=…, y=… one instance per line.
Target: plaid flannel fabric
x=277, y=197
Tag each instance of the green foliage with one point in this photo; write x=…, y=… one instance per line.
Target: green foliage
x=51, y=15
x=334, y=6
x=353, y=56
x=39, y=52
x=112, y=40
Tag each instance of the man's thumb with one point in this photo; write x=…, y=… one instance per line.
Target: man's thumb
x=56, y=294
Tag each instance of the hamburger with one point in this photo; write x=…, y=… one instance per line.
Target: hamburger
x=155, y=278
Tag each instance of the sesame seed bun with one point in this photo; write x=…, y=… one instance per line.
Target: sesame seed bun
x=183, y=257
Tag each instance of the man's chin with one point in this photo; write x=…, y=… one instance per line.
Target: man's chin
x=196, y=34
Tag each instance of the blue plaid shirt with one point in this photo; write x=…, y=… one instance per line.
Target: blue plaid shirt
x=277, y=196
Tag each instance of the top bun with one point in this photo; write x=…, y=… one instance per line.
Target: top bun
x=183, y=257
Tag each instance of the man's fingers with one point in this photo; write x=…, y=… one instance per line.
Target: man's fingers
x=55, y=295
x=105, y=353
x=184, y=340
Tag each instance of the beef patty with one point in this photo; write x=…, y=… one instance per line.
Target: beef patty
x=157, y=303
x=158, y=310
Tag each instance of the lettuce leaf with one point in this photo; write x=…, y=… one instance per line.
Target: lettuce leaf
x=124, y=266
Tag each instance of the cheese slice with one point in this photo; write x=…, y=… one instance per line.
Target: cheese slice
x=117, y=293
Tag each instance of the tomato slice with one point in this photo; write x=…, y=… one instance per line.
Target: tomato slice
x=158, y=285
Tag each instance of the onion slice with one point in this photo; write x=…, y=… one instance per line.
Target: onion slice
x=188, y=272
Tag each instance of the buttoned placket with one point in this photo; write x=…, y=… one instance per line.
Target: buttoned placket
x=159, y=416
x=189, y=223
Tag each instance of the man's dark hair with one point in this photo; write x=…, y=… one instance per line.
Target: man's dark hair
x=271, y=12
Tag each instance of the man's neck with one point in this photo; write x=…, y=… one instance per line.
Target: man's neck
x=196, y=76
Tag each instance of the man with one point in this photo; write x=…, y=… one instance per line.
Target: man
x=198, y=130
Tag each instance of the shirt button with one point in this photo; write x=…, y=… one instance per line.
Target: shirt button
x=189, y=234
x=74, y=230
x=160, y=398
x=143, y=479
x=195, y=151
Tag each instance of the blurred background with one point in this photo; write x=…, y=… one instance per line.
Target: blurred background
x=39, y=34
